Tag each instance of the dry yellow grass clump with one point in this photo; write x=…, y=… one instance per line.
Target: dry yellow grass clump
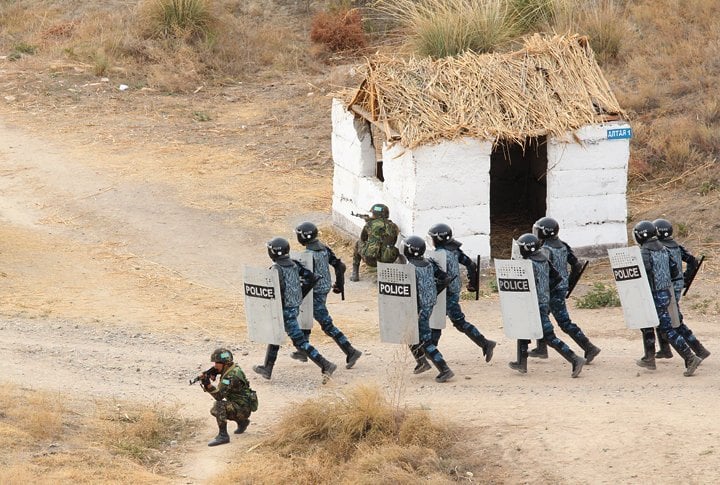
x=357, y=437
x=47, y=437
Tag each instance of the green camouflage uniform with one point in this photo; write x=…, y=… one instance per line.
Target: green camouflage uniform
x=234, y=398
x=377, y=242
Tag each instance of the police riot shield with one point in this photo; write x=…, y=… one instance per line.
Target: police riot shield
x=263, y=306
x=674, y=309
x=633, y=287
x=437, y=318
x=397, y=303
x=518, y=299
x=305, y=318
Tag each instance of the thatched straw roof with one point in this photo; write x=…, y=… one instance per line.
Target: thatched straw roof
x=552, y=86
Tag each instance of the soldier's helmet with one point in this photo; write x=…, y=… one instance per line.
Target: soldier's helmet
x=643, y=231
x=278, y=247
x=529, y=244
x=306, y=233
x=379, y=211
x=413, y=247
x=440, y=234
x=222, y=355
x=664, y=228
x=546, y=227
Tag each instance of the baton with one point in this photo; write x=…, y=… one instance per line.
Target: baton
x=692, y=278
x=574, y=283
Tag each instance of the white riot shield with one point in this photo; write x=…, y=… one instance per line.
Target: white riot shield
x=305, y=318
x=397, y=303
x=633, y=287
x=263, y=306
x=437, y=318
x=515, y=251
x=674, y=310
x=518, y=299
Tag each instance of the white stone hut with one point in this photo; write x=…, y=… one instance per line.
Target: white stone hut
x=488, y=144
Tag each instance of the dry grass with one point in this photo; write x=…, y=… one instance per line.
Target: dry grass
x=358, y=437
x=46, y=437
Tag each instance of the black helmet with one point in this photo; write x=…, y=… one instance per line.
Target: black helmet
x=379, y=211
x=413, y=247
x=221, y=355
x=664, y=228
x=643, y=231
x=278, y=247
x=306, y=233
x=528, y=244
x=440, y=234
x=546, y=227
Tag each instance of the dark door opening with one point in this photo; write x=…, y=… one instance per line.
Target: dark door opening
x=518, y=191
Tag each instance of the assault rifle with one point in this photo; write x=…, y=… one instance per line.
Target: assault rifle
x=205, y=377
x=574, y=278
x=691, y=277
x=477, y=279
x=364, y=217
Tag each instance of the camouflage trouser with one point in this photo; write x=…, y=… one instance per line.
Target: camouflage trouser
x=357, y=255
x=549, y=334
x=675, y=337
x=225, y=411
x=321, y=314
x=558, y=308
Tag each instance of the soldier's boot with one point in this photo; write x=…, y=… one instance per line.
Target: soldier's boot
x=692, y=361
x=648, y=360
x=266, y=369
x=445, y=373
x=575, y=360
x=355, y=275
x=299, y=354
x=591, y=351
x=699, y=349
x=487, y=346
x=665, y=352
x=242, y=425
x=326, y=367
x=435, y=334
x=222, y=437
x=522, y=357
x=351, y=354
x=540, y=351
x=422, y=365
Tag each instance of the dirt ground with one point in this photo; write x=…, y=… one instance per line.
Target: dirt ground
x=125, y=224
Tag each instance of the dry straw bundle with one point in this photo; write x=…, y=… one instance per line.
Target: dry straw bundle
x=552, y=86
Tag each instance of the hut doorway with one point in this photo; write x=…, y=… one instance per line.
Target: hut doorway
x=518, y=191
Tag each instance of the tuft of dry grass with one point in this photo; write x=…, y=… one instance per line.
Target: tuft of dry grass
x=356, y=437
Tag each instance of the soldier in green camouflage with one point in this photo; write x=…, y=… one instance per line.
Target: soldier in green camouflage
x=234, y=400
x=377, y=240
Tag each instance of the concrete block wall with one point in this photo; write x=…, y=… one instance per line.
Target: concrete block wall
x=587, y=188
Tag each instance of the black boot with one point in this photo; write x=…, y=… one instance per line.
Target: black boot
x=445, y=373
x=692, y=361
x=591, y=352
x=355, y=275
x=242, y=425
x=648, y=360
x=326, y=367
x=577, y=365
x=699, y=350
x=575, y=360
x=299, y=354
x=266, y=369
x=351, y=353
x=522, y=357
x=222, y=437
x=664, y=352
x=487, y=346
x=540, y=351
x=422, y=364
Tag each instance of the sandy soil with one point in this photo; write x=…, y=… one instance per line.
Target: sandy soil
x=124, y=229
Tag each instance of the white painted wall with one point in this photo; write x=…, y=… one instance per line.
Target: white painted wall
x=587, y=187
x=449, y=182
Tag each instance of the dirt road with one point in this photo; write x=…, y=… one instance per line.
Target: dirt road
x=122, y=277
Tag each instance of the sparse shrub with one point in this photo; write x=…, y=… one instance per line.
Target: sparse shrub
x=708, y=186
x=681, y=229
x=339, y=30
x=600, y=296
x=187, y=19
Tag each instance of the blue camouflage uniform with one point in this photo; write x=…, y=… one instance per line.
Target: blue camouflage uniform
x=454, y=257
x=323, y=258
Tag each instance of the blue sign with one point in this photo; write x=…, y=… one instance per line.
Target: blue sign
x=619, y=133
